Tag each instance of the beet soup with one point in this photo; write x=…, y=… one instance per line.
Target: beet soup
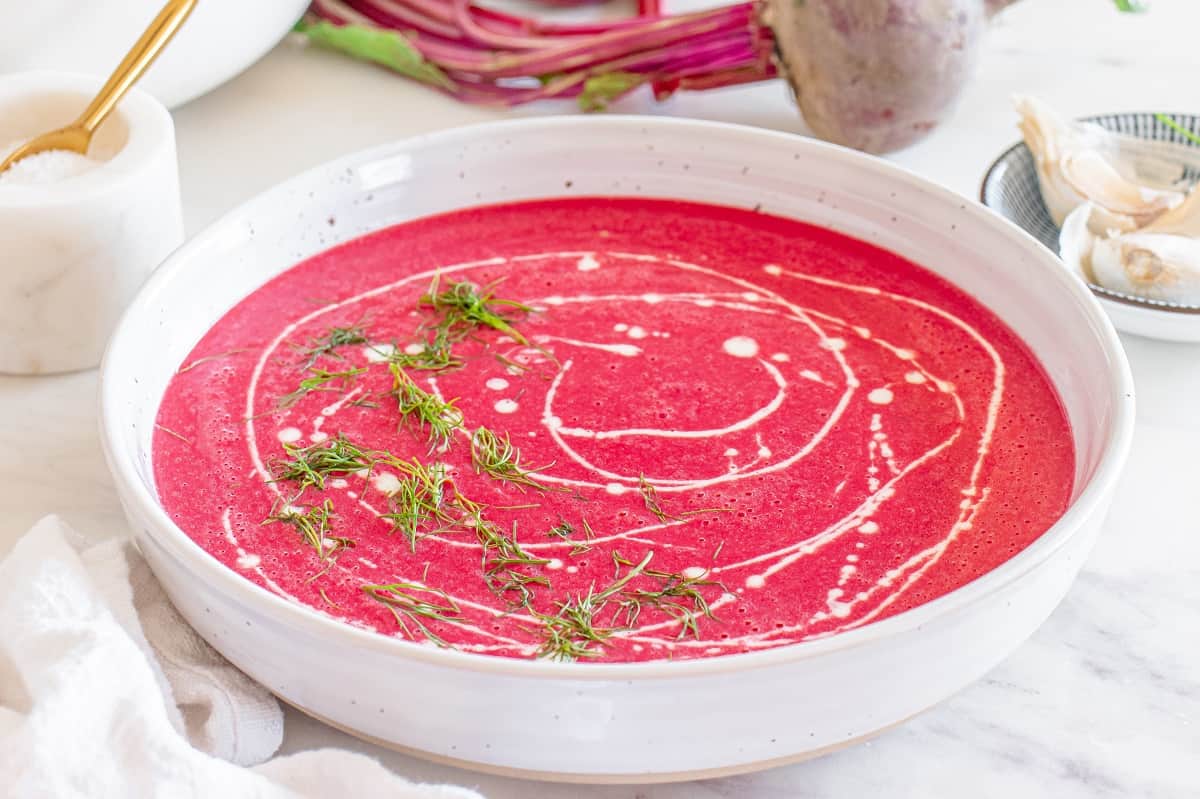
x=611, y=430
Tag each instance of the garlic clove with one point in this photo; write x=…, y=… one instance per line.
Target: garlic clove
x=1073, y=170
x=1152, y=265
x=1075, y=241
x=1107, y=250
x=1182, y=220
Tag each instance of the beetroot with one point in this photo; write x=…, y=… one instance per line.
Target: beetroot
x=876, y=75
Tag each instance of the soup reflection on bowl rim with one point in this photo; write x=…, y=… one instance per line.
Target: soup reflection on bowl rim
x=620, y=722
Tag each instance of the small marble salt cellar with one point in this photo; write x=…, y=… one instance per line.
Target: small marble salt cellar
x=78, y=237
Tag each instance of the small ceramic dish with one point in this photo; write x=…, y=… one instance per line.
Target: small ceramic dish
x=75, y=250
x=620, y=722
x=1010, y=188
x=222, y=38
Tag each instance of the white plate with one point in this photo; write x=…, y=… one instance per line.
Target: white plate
x=222, y=38
x=621, y=722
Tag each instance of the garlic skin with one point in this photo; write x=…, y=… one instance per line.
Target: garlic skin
x=1072, y=170
x=1154, y=266
x=1147, y=263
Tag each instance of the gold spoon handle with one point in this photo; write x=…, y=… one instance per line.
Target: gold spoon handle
x=143, y=54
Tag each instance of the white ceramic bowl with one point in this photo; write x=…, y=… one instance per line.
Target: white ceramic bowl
x=621, y=722
x=221, y=39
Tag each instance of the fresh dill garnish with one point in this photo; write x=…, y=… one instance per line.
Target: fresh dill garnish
x=565, y=531
x=586, y=544
x=321, y=380
x=207, y=359
x=463, y=307
x=309, y=466
x=572, y=631
x=411, y=603
x=313, y=527
x=418, y=500
x=364, y=401
x=504, y=561
x=434, y=354
x=494, y=455
x=173, y=434
x=511, y=365
x=417, y=406
x=582, y=624
x=328, y=601
x=675, y=595
x=651, y=501
x=328, y=344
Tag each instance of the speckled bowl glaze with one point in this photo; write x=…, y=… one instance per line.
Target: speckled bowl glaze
x=620, y=722
x=1010, y=187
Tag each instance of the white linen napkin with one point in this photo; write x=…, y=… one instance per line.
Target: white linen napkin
x=105, y=691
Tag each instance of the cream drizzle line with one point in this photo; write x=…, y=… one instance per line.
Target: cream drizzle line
x=668, y=486
x=257, y=568
x=970, y=508
x=627, y=350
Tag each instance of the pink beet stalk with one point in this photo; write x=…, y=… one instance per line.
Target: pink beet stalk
x=872, y=74
x=494, y=58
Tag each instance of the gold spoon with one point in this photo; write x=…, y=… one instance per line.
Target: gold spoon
x=77, y=137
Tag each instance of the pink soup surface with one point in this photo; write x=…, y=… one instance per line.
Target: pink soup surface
x=729, y=432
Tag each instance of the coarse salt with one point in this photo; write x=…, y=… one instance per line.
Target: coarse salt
x=44, y=168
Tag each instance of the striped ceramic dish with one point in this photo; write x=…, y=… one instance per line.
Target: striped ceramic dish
x=1010, y=188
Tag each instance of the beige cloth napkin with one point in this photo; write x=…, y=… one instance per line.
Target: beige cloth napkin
x=105, y=691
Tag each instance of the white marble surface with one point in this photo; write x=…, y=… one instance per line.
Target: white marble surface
x=1104, y=701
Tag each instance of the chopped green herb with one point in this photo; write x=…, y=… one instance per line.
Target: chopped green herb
x=504, y=561
x=328, y=344
x=566, y=531
x=416, y=604
x=586, y=544
x=419, y=500
x=571, y=632
x=172, y=433
x=309, y=466
x=313, y=527
x=495, y=456
x=321, y=380
x=675, y=595
x=435, y=354
x=207, y=359
x=328, y=601
x=421, y=408
x=651, y=501
x=463, y=307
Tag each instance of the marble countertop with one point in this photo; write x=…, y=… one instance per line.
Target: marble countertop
x=1103, y=701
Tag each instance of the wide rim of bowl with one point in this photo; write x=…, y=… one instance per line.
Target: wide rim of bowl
x=1145, y=304
x=1092, y=500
